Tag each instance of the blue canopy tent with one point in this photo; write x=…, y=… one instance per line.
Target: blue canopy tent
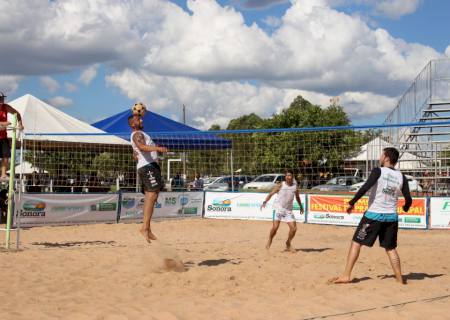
x=164, y=132
x=168, y=133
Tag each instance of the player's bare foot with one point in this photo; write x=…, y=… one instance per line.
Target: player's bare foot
x=400, y=280
x=151, y=236
x=144, y=233
x=339, y=280
x=289, y=247
x=269, y=243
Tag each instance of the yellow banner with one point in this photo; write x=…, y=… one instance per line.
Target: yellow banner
x=339, y=204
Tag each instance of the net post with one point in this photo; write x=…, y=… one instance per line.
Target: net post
x=232, y=170
x=12, y=167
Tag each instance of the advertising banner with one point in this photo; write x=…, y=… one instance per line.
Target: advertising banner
x=439, y=213
x=246, y=206
x=169, y=205
x=327, y=209
x=66, y=209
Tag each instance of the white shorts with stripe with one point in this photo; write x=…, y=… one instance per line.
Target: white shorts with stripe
x=283, y=215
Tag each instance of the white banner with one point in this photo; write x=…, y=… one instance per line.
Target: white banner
x=62, y=209
x=439, y=213
x=328, y=209
x=169, y=205
x=244, y=205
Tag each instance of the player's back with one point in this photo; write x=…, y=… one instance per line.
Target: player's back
x=384, y=194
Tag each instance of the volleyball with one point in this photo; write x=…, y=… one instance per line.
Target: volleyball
x=139, y=109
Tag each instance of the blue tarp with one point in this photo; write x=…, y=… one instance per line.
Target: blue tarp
x=164, y=132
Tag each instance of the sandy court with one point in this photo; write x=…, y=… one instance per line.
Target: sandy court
x=109, y=272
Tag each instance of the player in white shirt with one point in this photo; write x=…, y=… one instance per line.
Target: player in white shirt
x=380, y=220
x=283, y=206
x=146, y=153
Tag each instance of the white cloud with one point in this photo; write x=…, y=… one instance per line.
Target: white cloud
x=272, y=21
x=9, y=84
x=60, y=102
x=88, y=74
x=65, y=35
x=49, y=83
x=207, y=56
x=361, y=104
x=316, y=48
x=70, y=87
x=447, y=51
x=217, y=103
x=393, y=9
x=396, y=8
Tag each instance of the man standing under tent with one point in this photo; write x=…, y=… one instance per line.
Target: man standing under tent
x=5, y=148
x=381, y=218
x=283, y=206
x=148, y=170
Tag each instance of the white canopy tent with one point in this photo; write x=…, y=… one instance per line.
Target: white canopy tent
x=372, y=150
x=26, y=168
x=41, y=118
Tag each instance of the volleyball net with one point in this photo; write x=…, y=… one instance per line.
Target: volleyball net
x=322, y=159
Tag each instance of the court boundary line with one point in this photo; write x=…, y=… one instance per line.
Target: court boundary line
x=401, y=304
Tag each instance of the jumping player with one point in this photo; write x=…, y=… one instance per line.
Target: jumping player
x=148, y=170
x=283, y=206
x=381, y=218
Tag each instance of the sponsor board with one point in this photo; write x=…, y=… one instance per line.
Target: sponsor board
x=439, y=213
x=245, y=206
x=168, y=205
x=324, y=209
x=64, y=209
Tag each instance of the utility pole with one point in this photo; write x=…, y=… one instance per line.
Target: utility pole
x=184, y=153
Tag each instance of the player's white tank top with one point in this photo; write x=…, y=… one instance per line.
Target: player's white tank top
x=285, y=196
x=384, y=194
x=144, y=158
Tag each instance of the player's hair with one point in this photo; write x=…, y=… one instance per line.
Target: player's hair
x=129, y=119
x=392, y=154
x=289, y=171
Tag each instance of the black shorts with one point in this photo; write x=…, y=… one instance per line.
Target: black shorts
x=367, y=231
x=5, y=149
x=150, y=177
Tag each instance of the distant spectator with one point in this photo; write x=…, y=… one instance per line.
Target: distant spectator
x=198, y=183
x=35, y=184
x=93, y=183
x=78, y=183
x=3, y=205
x=427, y=184
x=322, y=178
x=177, y=182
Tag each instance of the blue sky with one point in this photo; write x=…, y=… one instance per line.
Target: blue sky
x=97, y=62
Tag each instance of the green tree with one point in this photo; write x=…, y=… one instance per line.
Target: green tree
x=250, y=121
x=307, y=152
x=215, y=127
